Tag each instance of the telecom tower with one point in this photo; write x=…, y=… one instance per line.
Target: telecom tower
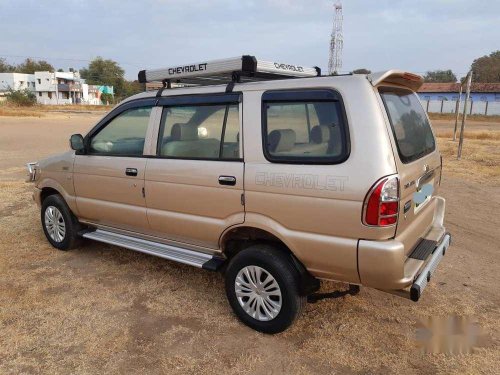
x=337, y=41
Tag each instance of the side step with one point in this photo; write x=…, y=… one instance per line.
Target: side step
x=178, y=254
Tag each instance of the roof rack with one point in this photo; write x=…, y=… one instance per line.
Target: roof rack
x=233, y=70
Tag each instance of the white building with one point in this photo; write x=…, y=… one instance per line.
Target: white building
x=16, y=81
x=53, y=87
x=58, y=87
x=91, y=94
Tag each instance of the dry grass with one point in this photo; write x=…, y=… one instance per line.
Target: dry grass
x=451, y=117
x=74, y=107
x=19, y=111
x=480, y=159
x=41, y=110
x=102, y=309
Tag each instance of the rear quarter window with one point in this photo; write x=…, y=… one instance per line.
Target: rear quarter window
x=307, y=127
x=410, y=126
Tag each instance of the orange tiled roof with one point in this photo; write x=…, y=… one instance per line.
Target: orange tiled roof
x=455, y=87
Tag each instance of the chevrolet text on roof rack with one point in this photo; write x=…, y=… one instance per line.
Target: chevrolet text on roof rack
x=188, y=68
x=237, y=69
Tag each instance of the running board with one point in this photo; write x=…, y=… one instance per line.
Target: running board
x=177, y=254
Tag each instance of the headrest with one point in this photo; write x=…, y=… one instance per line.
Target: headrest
x=320, y=134
x=184, y=132
x=282, y=140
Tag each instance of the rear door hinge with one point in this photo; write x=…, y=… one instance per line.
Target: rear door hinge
x=242, y=199
x=143, y=192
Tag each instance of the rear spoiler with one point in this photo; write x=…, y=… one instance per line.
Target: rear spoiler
x=398, y=77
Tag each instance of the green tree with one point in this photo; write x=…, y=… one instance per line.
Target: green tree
x=105, y=72
x=22, y=98
x=30, y=66
x=132, y=88
x=107, y=99
x=444, y=76
x=361, y=71
x=486, y=68
x=5, y=67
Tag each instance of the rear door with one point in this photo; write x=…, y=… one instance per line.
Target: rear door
x=194, y=185
x=417, y=157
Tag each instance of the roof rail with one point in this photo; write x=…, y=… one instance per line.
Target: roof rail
x=237, y=70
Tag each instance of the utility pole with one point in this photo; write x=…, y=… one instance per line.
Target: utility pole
x=457, y=112
x=336, y=41
x=464, y=115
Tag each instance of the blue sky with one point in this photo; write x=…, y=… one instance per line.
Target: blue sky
x=416, y=35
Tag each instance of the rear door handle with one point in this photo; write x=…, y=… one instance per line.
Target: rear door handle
x=131, y=171
x=227, y=180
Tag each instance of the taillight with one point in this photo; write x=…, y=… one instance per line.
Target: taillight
x=382, y=203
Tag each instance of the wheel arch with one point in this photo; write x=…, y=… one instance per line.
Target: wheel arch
x=49, y=186
x=46, y=192
x=238, y=238
x=249, y=234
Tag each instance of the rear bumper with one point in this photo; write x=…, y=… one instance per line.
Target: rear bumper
x=386, y=265
x=425, y=275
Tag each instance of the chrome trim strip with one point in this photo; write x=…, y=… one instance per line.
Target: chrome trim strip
x=32, y=168
x=178, y=254
x=152, y=238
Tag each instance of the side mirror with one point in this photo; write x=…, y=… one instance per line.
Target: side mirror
x=76, y=142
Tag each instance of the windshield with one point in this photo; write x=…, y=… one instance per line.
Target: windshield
x=411, y=129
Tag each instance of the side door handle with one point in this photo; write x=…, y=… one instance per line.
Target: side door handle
x=131, y=171
x=227, y=180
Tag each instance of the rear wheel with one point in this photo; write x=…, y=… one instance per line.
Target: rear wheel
x=59, y=224
x=262, y=286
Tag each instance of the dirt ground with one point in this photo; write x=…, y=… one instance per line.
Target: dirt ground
x=103, y=309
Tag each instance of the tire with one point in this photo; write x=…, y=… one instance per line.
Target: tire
x=256, y=303
x=59, y=224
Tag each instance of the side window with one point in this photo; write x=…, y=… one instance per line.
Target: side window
x=304, y=127
x=200, y=132
x=231, y=145
x=124, y=135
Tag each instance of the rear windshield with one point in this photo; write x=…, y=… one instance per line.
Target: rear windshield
x=411, y=129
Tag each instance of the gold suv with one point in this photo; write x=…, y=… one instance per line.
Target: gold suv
x=278, y=176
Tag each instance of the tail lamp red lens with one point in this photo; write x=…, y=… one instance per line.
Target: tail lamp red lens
x=382, y=203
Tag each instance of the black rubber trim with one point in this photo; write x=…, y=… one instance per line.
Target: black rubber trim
x=142, y=76
x=423, y=249
x=415, y=293
x=248, y=64
x=86, y=230
x=214, y=264
x=218, y=98
x=230, y=87
x=301, y=95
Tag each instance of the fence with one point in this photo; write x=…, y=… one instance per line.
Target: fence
x=473, y=107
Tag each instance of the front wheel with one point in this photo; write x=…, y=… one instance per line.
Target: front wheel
x=59, y=224
x=262, y=286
